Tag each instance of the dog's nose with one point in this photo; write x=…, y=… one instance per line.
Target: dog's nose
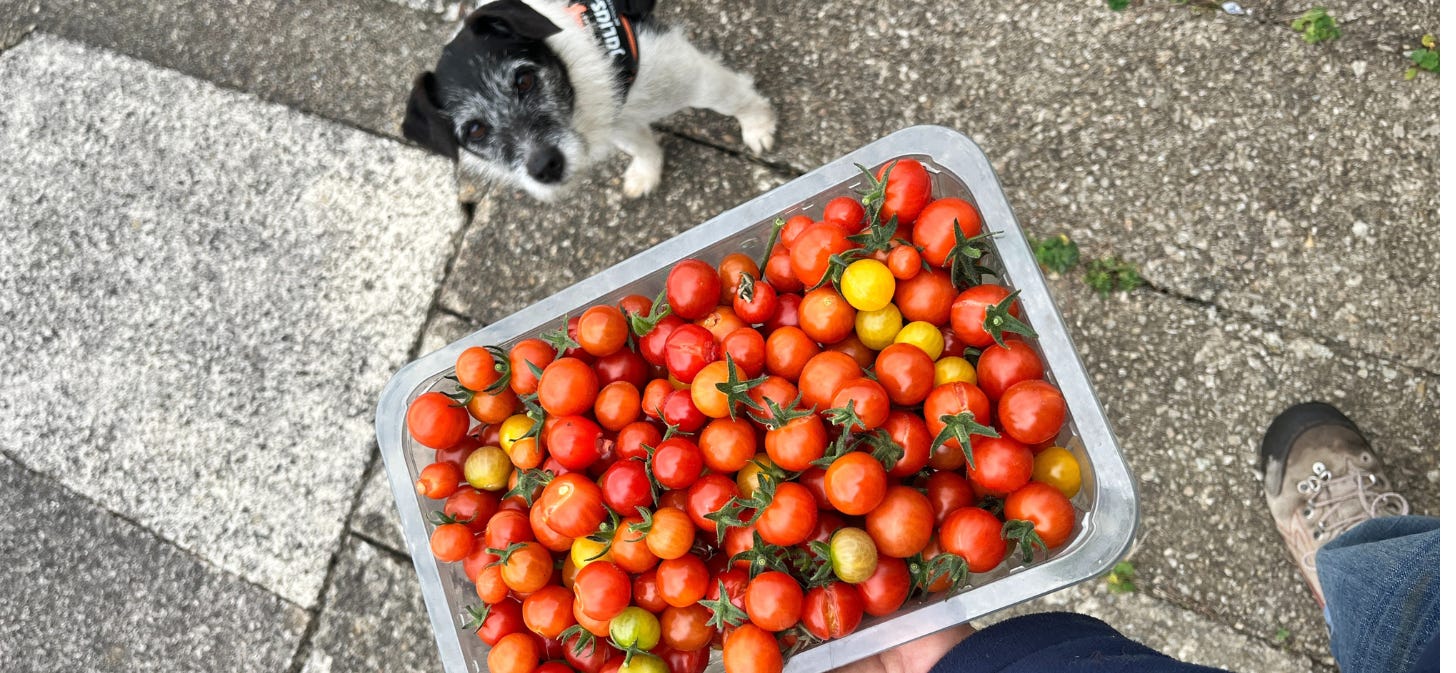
x=546, y=165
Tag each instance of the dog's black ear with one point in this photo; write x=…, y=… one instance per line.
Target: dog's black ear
x=636, y=9
x=510, y=19
x=424, y=122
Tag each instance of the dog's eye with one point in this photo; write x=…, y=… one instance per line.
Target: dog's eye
x=475, y=131
x=525, y=80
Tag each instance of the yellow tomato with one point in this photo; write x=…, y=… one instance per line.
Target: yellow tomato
x=924, y=336
x=954, y=368
x=1058, y=468
x=514, y=428
x=584, y=550
x=748, y=476
x=867, y=285
x=488, y=468
x=877, y=329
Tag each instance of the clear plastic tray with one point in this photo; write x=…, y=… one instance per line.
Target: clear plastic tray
x=1107, y=503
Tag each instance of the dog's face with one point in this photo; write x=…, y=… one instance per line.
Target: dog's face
x=500, y=102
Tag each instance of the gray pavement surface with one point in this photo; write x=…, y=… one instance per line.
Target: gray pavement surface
x=224, y=285
x=248, y=276
x=85, y=589
x=373, y=617
x=562, y=248
x=1234, y=164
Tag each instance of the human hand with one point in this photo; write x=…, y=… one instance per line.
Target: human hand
x=916, y=656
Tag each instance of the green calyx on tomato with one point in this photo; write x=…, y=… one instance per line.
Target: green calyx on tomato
x=925, y=573
x=503, y=555
x=529, y=484
x=730, y=515
x=725, y=615
x=762, y=557
x=502, y=367
x=1022, y=533
x=999, y=321
x=641, y=325
x=873, y=197
x=779, y=416
x=884, y=448
x=477, y=617
x=879, y=236
x=960, y=427
x=560, y=339
x=736, y=389
x=443, y=519
x=816, y=565
x=965, y=256
x=605, y=534
x=845, y=417
x=584, y=639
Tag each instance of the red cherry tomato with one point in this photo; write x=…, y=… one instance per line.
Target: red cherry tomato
x=833, y=611
x=1002, y=464
x=435, y=421
x=1047, y=508
x=1032, y=412
x=935, y=229
x=974, y=534
x=693, y=289
x=907, y=190
x=689, y=348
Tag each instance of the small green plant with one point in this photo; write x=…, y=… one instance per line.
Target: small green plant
x=1281, y=636
x=1120, y=580
x=1117, y=5
x=1317, y=25
x=1057, y=253
x=1426, y=58
x=1109, y=274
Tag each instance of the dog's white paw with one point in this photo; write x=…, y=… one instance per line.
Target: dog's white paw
x=759, y=125
x=641, y=178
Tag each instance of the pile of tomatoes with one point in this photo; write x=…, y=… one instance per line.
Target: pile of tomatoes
x=769, y=453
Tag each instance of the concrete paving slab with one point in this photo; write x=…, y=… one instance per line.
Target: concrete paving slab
x=1190, y=391
x=373, y=617
x=376, y=517
x=351, y=61
x=518, y=250
x=226, y=284
x=84, y=589
x=1295, y=184
x=1182, y=634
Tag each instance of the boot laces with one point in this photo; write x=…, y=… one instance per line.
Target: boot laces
x=1334, y=504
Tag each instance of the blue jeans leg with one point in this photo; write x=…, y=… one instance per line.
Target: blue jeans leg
x=1381, y=581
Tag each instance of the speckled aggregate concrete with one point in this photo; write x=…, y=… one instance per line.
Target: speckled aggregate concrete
x=1281, y=198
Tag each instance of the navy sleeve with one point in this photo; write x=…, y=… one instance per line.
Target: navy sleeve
x=1430, y=661
x=1056, y=641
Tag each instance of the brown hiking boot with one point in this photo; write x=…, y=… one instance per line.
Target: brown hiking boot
x=1321, y=478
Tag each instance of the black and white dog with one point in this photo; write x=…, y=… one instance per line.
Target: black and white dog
x=531, y=92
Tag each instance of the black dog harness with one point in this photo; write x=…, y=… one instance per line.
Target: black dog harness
x=611, y=22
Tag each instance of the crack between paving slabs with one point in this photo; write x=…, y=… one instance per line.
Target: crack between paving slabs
x=1338, y=347
x=125, y=518
x=783, y=168
x=305, y=641
x=382, y=548
x=1160, y=594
